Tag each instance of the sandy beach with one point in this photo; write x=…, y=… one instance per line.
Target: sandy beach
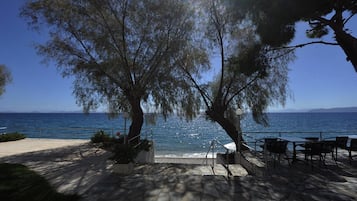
x=35, y=144
x=78, y=167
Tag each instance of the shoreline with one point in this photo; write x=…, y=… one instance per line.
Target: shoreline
x=29, y=145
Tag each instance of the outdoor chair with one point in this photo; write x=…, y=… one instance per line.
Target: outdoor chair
x=314, y=149
x=268, y=143
x=352, y=147
x=309, y=139
x=341, y=142
x=328, y=146
x=278, y=148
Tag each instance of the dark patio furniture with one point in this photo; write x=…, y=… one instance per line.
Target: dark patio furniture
x=319, y=149
x=278, y=148
x=328, y=146
x=341, y=142
x=312, y=139
x=352, y=147
x=268, y=143
x=295, y=141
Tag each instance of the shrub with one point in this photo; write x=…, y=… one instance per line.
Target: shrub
x=101, y=137
x=144, y=145
x=124, y=153
x=11, y=137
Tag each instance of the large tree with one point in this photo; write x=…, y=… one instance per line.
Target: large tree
x=122, y=53
x=5, y=78
x=276, y=19
x=251, y=75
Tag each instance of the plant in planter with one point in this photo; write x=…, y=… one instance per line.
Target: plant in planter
x=105, y=140
x=124, y=155
x=145, y=152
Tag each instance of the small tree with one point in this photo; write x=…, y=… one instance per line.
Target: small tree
x=251, y=75
x=275, y=21
x=122, y=53
x=5, y=78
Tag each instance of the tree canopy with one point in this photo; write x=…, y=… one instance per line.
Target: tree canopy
x=5, y=78
x=251, y=75
x=275, y=21
x=131, y=53
x=122, y=54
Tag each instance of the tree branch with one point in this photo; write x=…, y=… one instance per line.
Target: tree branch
x=204, y=95
x=229, y=87
x=305, y=44
x=323, y=20
x=244, y=87
x=348, y=19
x=92, y=58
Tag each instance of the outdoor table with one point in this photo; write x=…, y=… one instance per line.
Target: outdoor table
x=294, y=140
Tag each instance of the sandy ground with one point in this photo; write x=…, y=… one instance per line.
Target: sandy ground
x=35, y=144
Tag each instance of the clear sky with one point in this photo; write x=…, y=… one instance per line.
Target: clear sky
x=320, y=77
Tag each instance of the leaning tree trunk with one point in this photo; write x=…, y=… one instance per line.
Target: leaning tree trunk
x=349, y=45
x=136, y=121
x=228, y=126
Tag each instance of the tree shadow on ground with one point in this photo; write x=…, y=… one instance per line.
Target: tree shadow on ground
x=71, y=169
x=84, y=170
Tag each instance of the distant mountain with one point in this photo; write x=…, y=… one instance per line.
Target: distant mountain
x=337, y=109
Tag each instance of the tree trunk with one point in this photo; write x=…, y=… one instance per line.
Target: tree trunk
x=228, y=126
x=349, y=45
x=137, y=120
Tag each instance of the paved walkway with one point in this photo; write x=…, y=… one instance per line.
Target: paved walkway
x=85, y=170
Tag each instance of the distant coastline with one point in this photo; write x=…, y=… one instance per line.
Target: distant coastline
x=334, y=110
x=314, y=110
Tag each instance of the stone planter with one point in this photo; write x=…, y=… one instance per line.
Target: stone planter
x=146, y=156
x=123, y=169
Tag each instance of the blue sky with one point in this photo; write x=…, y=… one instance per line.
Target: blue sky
x=320, y=77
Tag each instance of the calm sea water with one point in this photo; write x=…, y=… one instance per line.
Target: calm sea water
x=175, y=136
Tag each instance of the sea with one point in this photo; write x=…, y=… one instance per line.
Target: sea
x=177, y=137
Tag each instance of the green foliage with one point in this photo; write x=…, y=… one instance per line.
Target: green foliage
x=252, y=76
x=11, y=137
x=100, y=137
x=17, y=183
x=5, y=78
x=126, y=153
x=123, y=54
x=275, y=21
x=144, y=145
